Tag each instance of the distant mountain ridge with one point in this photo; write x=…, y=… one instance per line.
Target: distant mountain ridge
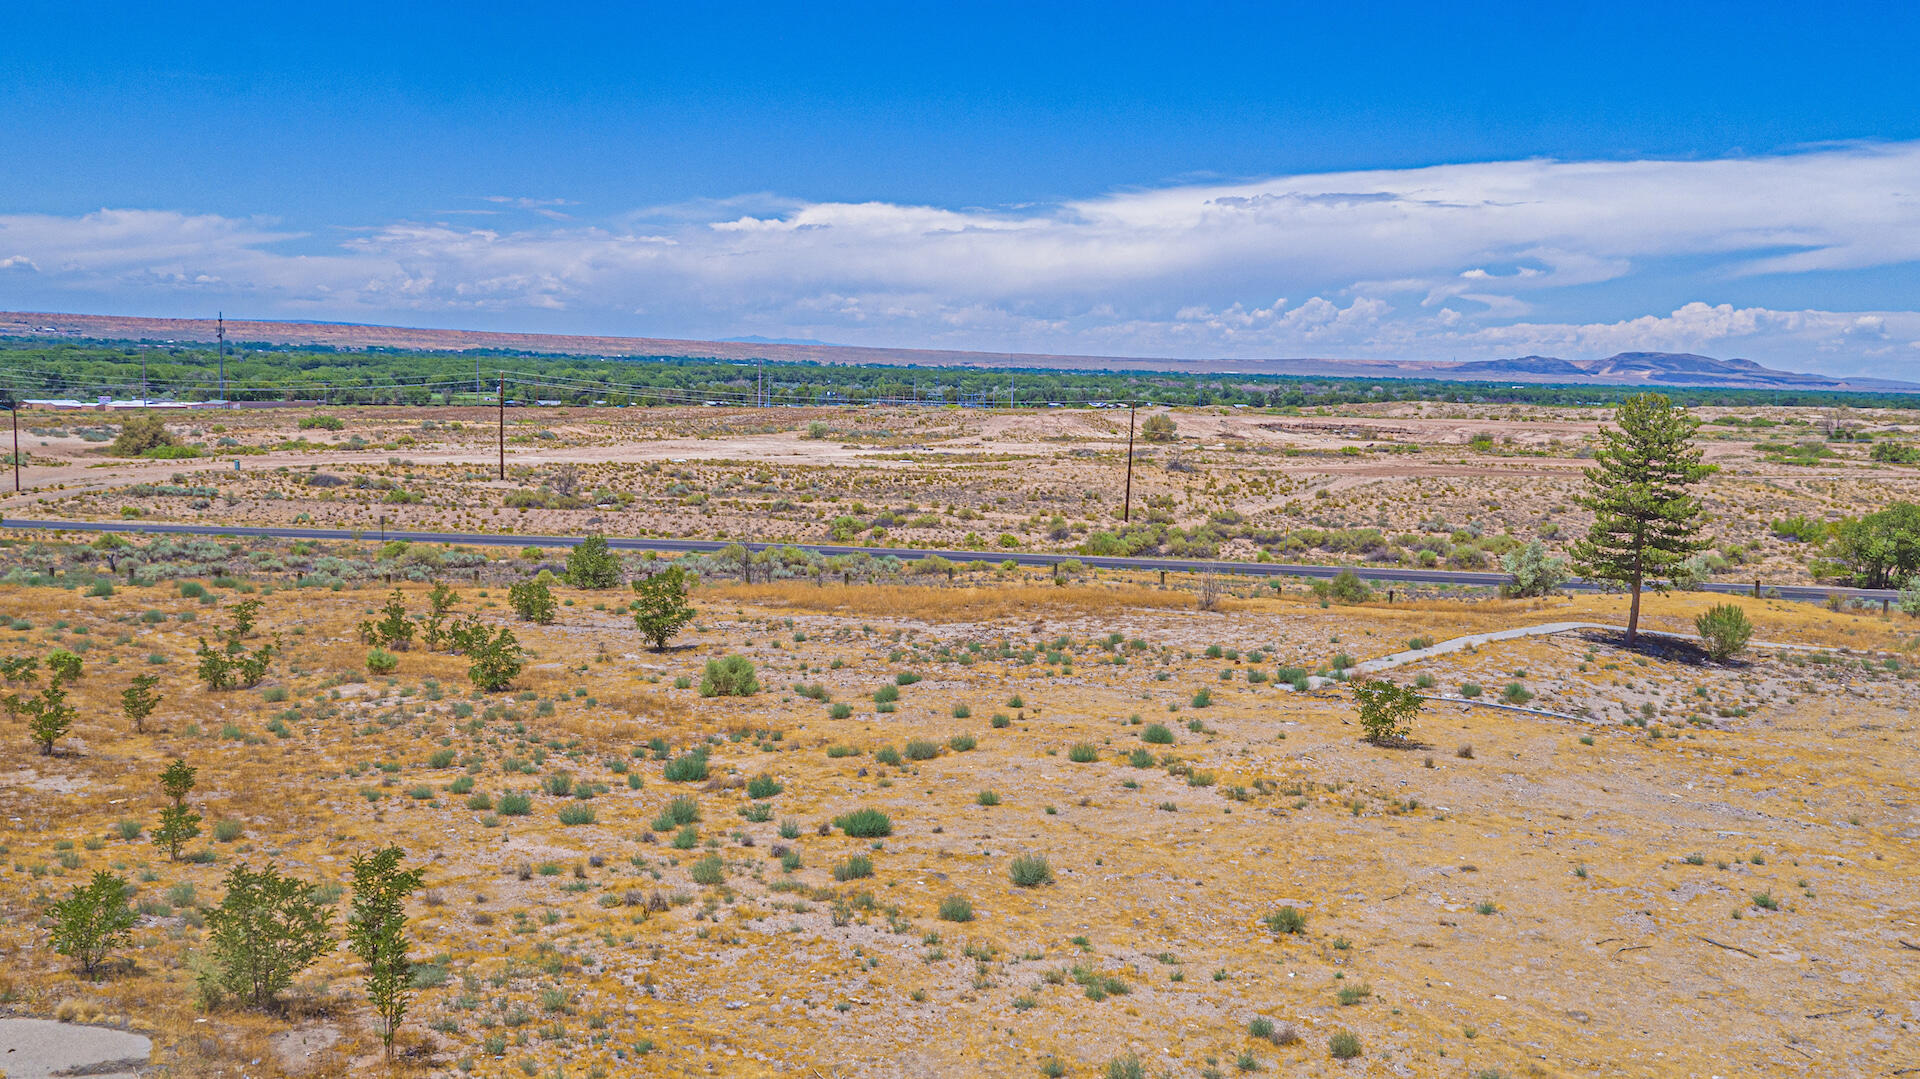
x=1622, y=369
x=1668, y=369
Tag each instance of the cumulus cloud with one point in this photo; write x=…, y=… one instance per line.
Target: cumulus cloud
x=1413, y=263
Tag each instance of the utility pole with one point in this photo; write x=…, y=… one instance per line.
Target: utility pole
x=221, y=334
x=143, y=378
x=15, y=413
x=760, y=385
x=503, y=425
x=1126, y=510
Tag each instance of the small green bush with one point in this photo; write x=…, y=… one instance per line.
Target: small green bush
x=865, y=824
x=1082, y=753
x=1725, y=631
x=709, y=870
x=856, y=867
x=729, y=676
x=1343, y=1045
x=689, y=767
x=1030, y=871
x=956, y=908
x=1287, y=919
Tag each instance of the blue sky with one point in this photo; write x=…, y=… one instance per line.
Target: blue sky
x=1178, y=180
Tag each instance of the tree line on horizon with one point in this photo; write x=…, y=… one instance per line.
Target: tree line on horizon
x=37, y=368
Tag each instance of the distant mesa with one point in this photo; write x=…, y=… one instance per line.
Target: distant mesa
x=1621, y=369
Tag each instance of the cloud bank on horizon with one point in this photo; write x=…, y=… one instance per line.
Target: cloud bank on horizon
x=1467, y=261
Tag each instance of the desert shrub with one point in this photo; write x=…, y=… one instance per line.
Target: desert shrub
x=661, y=608
x=1725, y=630
x=763, y=786
x=865, y=824
x=1082, y=753
x=682, y=810
x=1157, y=734
x=268, y=928
x=856, y=867
x=729, y=676
x=689, y=767
x=919, y=749
x=141, y=434
x=1030, y=871
x=961, y=743
x=1387, y=711
x=1516, y=693
x=839, y=710
x=515, y=804
x=495, y=659
x=1534, y=572
x=93, y=920
x=1470, y=690
x=381, y=661
x=533, y=601
x=576, y=813
x=1343, y=1045
x=956, y=908
x=887, y=755
x=591, y=565
x=709, y=870
x=1159, y=427
x=1345, y=587
x=1286, y=920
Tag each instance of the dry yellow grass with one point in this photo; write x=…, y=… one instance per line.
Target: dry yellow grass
x=964, y=603
x=1788, y=778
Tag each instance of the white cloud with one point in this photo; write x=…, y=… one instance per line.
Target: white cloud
x=1416, y=263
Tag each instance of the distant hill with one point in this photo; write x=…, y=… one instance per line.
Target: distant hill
x=1623, y=369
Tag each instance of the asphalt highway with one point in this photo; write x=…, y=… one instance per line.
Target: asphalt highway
x=1384, y=574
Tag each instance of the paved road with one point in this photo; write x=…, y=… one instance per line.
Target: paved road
x=1387, y=574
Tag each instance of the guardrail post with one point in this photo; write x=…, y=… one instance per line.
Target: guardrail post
x=1756, y=588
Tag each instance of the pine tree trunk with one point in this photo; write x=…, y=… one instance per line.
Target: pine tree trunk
x=1633, y=614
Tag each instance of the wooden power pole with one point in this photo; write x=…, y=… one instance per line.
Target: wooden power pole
x=1126, y=510
x=503, y=425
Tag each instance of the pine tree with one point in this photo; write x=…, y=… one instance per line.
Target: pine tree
x=1646, y=518
x=377, y=932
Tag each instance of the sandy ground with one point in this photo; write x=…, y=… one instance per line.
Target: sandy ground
x=1722, y=891
x=1036, y=480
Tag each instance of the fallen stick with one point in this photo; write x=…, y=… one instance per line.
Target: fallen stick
x=1729, y=947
